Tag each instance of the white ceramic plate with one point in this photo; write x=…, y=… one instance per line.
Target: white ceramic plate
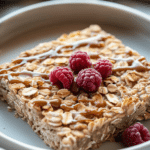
x=43, y=22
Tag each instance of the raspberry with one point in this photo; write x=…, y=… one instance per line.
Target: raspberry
x=89, y=79
x=135, y=134
x=104, y=67
x=61, y=76
x=79, y=60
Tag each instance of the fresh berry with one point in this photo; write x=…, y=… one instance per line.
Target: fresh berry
x=79, y=60
x=61, y=76
x=89, y=79
x=135, y=134
x=104, y=67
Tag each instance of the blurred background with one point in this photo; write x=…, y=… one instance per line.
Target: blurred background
x=8, y=6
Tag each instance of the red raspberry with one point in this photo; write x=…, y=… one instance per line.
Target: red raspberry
x=135, y=134
x=79, y=60
x=89, y=79
x=104, y=67
x=62, y=76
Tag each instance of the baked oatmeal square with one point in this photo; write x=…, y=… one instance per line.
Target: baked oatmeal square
x=69, y=121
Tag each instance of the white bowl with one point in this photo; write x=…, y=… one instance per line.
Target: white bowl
x=45, y=21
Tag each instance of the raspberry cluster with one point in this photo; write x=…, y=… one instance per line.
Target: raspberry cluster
x=89, y=77
x=135, y=134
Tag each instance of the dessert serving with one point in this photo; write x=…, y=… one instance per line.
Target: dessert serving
x=80, y=90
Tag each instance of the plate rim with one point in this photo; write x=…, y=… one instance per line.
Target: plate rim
x=18, y=143
x=113, y=5
x=49, y=3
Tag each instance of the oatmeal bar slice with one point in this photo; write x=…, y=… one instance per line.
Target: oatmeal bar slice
x=66, y=121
